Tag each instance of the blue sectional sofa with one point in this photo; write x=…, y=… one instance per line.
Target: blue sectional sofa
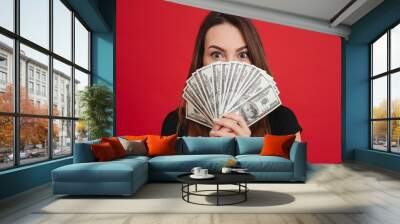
x=125, y=176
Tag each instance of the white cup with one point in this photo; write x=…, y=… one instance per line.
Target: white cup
x=203, y=172
x=226, y=170
x=196, y=171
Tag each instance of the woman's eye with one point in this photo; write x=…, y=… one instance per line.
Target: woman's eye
x=217, y=55
x=243, y=55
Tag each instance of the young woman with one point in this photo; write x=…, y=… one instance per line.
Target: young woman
x=225, y=37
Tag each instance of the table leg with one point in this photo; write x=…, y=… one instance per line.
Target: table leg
x=245, y=193
x=196, y=187
x=217, y=194
x=188, y=190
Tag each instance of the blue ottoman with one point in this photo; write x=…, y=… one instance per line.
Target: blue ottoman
x=119, y=177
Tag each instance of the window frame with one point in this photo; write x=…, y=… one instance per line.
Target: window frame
x=388, y=74
x=16, y=115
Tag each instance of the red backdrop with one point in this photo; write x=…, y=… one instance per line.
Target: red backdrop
x=155, y=41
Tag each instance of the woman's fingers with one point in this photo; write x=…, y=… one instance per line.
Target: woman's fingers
x=234, y=126
x=228, y=123
x=225, y=129
x=239, y=119
x=216, y=127
x=234, y=122
x=220, y=133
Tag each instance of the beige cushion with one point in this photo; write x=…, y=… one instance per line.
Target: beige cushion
x=134, y=147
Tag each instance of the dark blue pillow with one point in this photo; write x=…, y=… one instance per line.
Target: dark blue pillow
x=249, y=145
x=83, y=152
x=206, y=145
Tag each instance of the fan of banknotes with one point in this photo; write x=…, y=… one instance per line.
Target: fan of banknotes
x=230, y=87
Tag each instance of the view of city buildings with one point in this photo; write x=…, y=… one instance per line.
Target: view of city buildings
x=42, y=122
x=34, y=90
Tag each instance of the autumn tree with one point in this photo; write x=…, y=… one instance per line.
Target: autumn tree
x=33, y=131
x=380, y=127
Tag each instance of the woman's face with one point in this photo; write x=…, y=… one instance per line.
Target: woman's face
x=224, y=42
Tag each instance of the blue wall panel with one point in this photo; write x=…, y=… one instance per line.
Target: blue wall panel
x=102, y=58
x=357, y=84
x=24, y=178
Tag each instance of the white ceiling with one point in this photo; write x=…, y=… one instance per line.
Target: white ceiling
x=320, y=9
x=326, y=16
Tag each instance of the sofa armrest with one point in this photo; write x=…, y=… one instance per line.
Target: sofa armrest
x=83, y=152
x=298, y=155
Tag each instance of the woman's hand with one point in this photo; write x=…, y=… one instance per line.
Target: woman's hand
x=230, y=125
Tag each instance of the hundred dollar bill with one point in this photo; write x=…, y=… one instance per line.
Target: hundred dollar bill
x=193, y=114
x=258, y=106
x=253, y=87
x=197, y=105
x=233, y=77
x=217, y=73
x=205, y=79
x=224, y=80
x=244, y=77
x=193, y=86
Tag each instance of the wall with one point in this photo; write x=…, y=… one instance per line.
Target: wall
x=154, y=47
x=357, y=85
x=24, y=178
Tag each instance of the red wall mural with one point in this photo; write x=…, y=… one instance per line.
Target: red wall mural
x=155, y=41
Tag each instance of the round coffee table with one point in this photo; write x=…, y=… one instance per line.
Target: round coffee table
x=238, y=179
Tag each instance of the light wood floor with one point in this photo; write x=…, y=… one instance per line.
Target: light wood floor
x=353, y=182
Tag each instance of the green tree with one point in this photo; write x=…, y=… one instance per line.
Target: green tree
x=97, y=104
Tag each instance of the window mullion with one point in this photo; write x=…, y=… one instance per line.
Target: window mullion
x=389, y=101
x=371, y=143
x=50, y=81
x=73, y=82
x=16, y=70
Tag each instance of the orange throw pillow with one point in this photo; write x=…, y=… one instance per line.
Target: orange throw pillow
x=161, y=145
x=116, y=145
x=277, y=145
x=135, y=138
x=103, y=151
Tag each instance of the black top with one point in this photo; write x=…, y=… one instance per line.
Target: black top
x=226, y=178
x=282, y=121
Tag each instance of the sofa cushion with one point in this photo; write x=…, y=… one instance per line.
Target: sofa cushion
x=249, y=145
x=206, y=145
x=103, y=152
x=277, y=145
x=83, y=152
x=134, y=147
x=185, y=163
x=161, y=145
x=257, y=163
x=111, y=171
x=116, y=145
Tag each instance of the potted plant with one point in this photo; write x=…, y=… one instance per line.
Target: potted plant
x=96, y=102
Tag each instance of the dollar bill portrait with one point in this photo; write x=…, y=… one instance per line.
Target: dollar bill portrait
x=249, y=111
x=224, y=37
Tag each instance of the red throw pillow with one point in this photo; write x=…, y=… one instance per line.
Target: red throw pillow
x=277, y=145
x=161, y=145
x=103, y=151
x=134, y=137
x=116, y=145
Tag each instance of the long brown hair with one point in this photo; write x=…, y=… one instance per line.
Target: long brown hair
x=256, y=56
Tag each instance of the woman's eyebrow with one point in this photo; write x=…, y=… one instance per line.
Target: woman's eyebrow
x=241, y=48
x=215, y=46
